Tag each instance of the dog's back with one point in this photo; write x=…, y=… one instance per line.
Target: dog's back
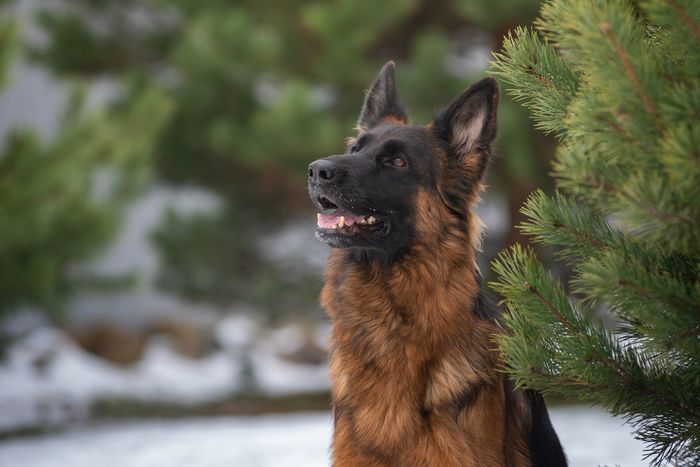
x=416, y=381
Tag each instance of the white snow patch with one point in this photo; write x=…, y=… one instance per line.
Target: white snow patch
x=165, y=375
x=593, y=437
x=236, y=332
x=276, y=376
x=49, y=380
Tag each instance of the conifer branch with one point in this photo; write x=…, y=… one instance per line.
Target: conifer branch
x=679, y=82
x=565, y=381
x=615, y=127
x=568, y=381
x=683, y=336
x=673, y=404
x=648, y=294
x=634, y=287
x=552, y=309
x=531, y=71
x=681, y=11
x=666, y=216
x=600, y=183
x=612, y=363
x=583, y=237
x=633, y=75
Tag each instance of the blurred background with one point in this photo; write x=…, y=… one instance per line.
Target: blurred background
x=156, y=241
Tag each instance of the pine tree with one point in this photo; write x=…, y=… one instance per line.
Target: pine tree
x=61, y=200
x=618, y=82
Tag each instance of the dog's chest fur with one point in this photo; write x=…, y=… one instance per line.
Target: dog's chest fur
x=414, y=376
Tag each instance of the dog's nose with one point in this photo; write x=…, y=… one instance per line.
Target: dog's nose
x=322, y=170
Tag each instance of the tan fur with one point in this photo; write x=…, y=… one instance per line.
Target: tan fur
x=415, y=379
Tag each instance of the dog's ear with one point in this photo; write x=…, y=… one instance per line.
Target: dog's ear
x=468, y=127
x=469, y=124
x=382, y=102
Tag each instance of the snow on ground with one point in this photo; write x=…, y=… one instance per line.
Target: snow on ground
x=280, y=440
x=48, y=380
x=590, y=437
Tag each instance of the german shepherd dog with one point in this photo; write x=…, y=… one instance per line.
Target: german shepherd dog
x=416, y=380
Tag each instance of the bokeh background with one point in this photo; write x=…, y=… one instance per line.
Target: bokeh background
x=156, y=240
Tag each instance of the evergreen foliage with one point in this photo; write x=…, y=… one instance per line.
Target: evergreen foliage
x=261, y=89
x=60, y=201
x=618, y=82
x=8, y=45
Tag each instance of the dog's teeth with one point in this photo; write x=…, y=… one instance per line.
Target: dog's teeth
x=341, y=222
x=371, y=220
x=363, y=221
x=334, y=226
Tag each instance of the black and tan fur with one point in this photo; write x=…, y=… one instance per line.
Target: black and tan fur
x=416, y=380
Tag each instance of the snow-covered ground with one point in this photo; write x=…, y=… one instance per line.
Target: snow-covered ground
x=590, y=438
x=48, y=380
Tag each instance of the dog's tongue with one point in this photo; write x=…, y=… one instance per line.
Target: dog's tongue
x=329, y=220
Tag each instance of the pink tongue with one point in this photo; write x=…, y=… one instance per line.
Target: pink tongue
x=332, y=219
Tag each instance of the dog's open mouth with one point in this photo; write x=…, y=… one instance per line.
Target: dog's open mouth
x=336, y=220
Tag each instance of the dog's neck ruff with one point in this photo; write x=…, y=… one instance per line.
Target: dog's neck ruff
x=409, y=353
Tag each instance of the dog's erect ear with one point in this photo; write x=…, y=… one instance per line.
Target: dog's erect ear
x=469, y=123
x=468, y=127
x=382, y=103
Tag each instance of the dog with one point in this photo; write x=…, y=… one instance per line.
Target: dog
x=416, y=380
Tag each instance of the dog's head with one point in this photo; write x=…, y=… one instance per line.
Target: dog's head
x=368, y=197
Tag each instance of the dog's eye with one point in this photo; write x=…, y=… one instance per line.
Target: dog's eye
x=353, y=150
x=398, y=162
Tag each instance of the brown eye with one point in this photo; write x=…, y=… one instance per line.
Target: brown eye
x=398, y=162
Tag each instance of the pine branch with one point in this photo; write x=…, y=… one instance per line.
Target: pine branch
x=674, y=405
x=616, y=127
x=685, y=335
x=551, y=83
x=552, y=309
x=668, y=216
x=599, y=182
x=531, y=71
x=615, y=365
x=648, y=294
x=566, y=381
x=581, y=236
x=606, y=27
x=560, y=221
x=681, y=11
